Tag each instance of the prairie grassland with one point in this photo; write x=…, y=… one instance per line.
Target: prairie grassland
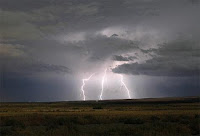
x=144, y=117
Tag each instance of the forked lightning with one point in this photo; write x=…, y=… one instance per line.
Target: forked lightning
x=82, y=87
x=102, y=84
x=122, y=81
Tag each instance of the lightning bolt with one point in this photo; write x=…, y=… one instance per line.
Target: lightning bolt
x=102, y=84
x=82, y=87
x=122, y=82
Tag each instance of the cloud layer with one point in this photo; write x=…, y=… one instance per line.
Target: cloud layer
x=177, y=58
x=68, y=40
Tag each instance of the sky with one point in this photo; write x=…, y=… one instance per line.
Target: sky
x=47, y=48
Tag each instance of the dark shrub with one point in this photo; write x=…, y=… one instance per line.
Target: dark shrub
x=63, y=121
x=194, y=127
x=155, y=118
x=170, y=118
x=133, y=121
x=196, y=116
x=97, y=107
x=88, y=117
x=5, y=131
x=14, y=123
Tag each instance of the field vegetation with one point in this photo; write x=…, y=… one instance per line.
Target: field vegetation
x=144, y=117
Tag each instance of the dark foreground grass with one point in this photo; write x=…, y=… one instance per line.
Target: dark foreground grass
x=152, y=117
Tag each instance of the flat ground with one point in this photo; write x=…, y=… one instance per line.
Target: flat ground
x=142, y=117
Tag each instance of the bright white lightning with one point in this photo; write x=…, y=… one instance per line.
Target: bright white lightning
x=102, y=84
x=82, y=87
x=122, y=81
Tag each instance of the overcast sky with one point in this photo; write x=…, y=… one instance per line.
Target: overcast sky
x=48, y=46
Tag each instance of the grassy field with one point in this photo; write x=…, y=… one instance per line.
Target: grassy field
x=142, y=117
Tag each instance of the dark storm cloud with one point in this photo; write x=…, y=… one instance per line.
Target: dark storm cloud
x=46, y=18
x=157, y=68
x=14, y=58
x=42, y=38
x=36, y=19
x=23, y=5
x=41, y=67
x=104, y=47
x=122, y=58
x=30, y=67
x=194, y=1
x=178, y=58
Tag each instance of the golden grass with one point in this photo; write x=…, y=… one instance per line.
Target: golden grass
x=123, y=117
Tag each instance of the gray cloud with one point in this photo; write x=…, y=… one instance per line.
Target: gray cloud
x=15, y=58
x=48, y=38
x=40, y=67
x=178, y=58
x=8, y=50
x=104, y=47
x=28, y=66
x=122, y=58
